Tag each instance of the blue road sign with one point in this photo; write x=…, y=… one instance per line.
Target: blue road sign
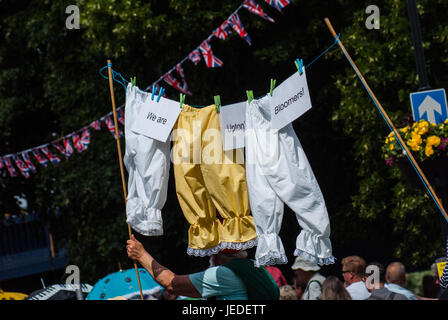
x=429, y=105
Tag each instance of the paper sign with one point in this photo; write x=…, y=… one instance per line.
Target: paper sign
x=290, y=100
x=232, y=118
x=156, y=119
x=440, y=268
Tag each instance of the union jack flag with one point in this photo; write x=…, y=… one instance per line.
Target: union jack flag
x=195, y=56
x=85, y=138
x=236, y=24
x=210, y=60
x=66, y=150
x=77, y=142
x=223, y=31
x=96, y=125
x=172, y=81
x=12, y=171
x=42, y=160
x=54, y=159
x=253, y=7
x=278, y=4
x=120, y=115
x=24, y=170
x=111, y=126
x=28, y=162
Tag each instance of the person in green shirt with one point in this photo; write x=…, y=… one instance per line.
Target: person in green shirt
x=231, y=276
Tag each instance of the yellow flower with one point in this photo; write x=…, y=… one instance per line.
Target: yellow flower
x=414, y=145
x=429, y=151
x=391, y=146
x=446, y=121
x=433, y=141
x=405, y=129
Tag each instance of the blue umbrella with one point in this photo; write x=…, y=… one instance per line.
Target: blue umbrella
x=124, y=283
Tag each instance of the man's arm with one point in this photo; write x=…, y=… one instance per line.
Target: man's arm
x=177, y=284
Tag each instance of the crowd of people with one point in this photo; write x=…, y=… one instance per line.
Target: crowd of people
x=232, y=276
x=358, y=281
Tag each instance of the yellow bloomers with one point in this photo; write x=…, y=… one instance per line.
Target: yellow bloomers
x=211, y=186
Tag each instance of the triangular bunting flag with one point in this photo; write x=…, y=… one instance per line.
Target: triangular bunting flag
x=27, y=159
x=278, y=4
x=254, y=8
x=54, y=159
x=24, y=170
x=236, y=24
x=195, y=56
x=210, y=60
x=223, y=31
x=12, y=171
x=42, y=160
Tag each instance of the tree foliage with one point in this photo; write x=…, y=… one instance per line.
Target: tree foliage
x=50, y=86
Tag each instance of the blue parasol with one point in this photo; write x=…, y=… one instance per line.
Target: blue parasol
x=124, y=284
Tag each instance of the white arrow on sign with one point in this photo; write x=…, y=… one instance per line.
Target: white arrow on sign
x=429, y=105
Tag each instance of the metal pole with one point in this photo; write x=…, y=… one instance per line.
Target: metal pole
x=418, y=48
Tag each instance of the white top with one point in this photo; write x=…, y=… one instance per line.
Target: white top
x=358, y=291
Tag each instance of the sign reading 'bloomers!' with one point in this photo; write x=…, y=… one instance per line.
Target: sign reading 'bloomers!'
x=290, y=100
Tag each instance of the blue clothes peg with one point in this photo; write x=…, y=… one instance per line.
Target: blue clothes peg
x=161, y=92
x=299, y=65
x=154, y=89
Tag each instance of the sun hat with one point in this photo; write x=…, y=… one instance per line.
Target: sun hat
x=305, y=265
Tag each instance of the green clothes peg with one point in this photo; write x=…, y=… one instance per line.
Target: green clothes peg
x=217, y=103
x=272, y=86
x=134, y=82
x=182, y=100
x=250, y=95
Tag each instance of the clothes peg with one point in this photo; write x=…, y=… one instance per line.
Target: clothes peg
x=154, y=89
x=250, y=95
x=182, y=100
x=217, y=103
x=161, y=92
x=134, y=82
x=299, y=65
x=272, y=86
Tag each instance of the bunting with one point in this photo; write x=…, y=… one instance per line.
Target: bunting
x=254, y=8
x=23, y=168
x=12, y=171
x=195, y=56
x=42, y=160
x=278, y=4
x=29, y=163
x=81, y=138
x=223, y=31
x=210, y=60
x=236, y=24
x=53, y=159
x=111, y=126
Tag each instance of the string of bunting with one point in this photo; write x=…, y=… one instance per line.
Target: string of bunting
x=79, y=140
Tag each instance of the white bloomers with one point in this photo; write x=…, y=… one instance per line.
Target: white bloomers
x=148, y=163
x=278, y=173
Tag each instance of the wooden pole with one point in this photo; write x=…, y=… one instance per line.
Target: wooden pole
x=386, y=117
x=117, y=138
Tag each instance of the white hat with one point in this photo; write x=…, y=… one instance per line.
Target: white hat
x=305, y=265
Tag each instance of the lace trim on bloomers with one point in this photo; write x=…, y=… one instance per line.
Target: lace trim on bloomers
x=320, y=261
x=223, y=245
x=270, y=259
